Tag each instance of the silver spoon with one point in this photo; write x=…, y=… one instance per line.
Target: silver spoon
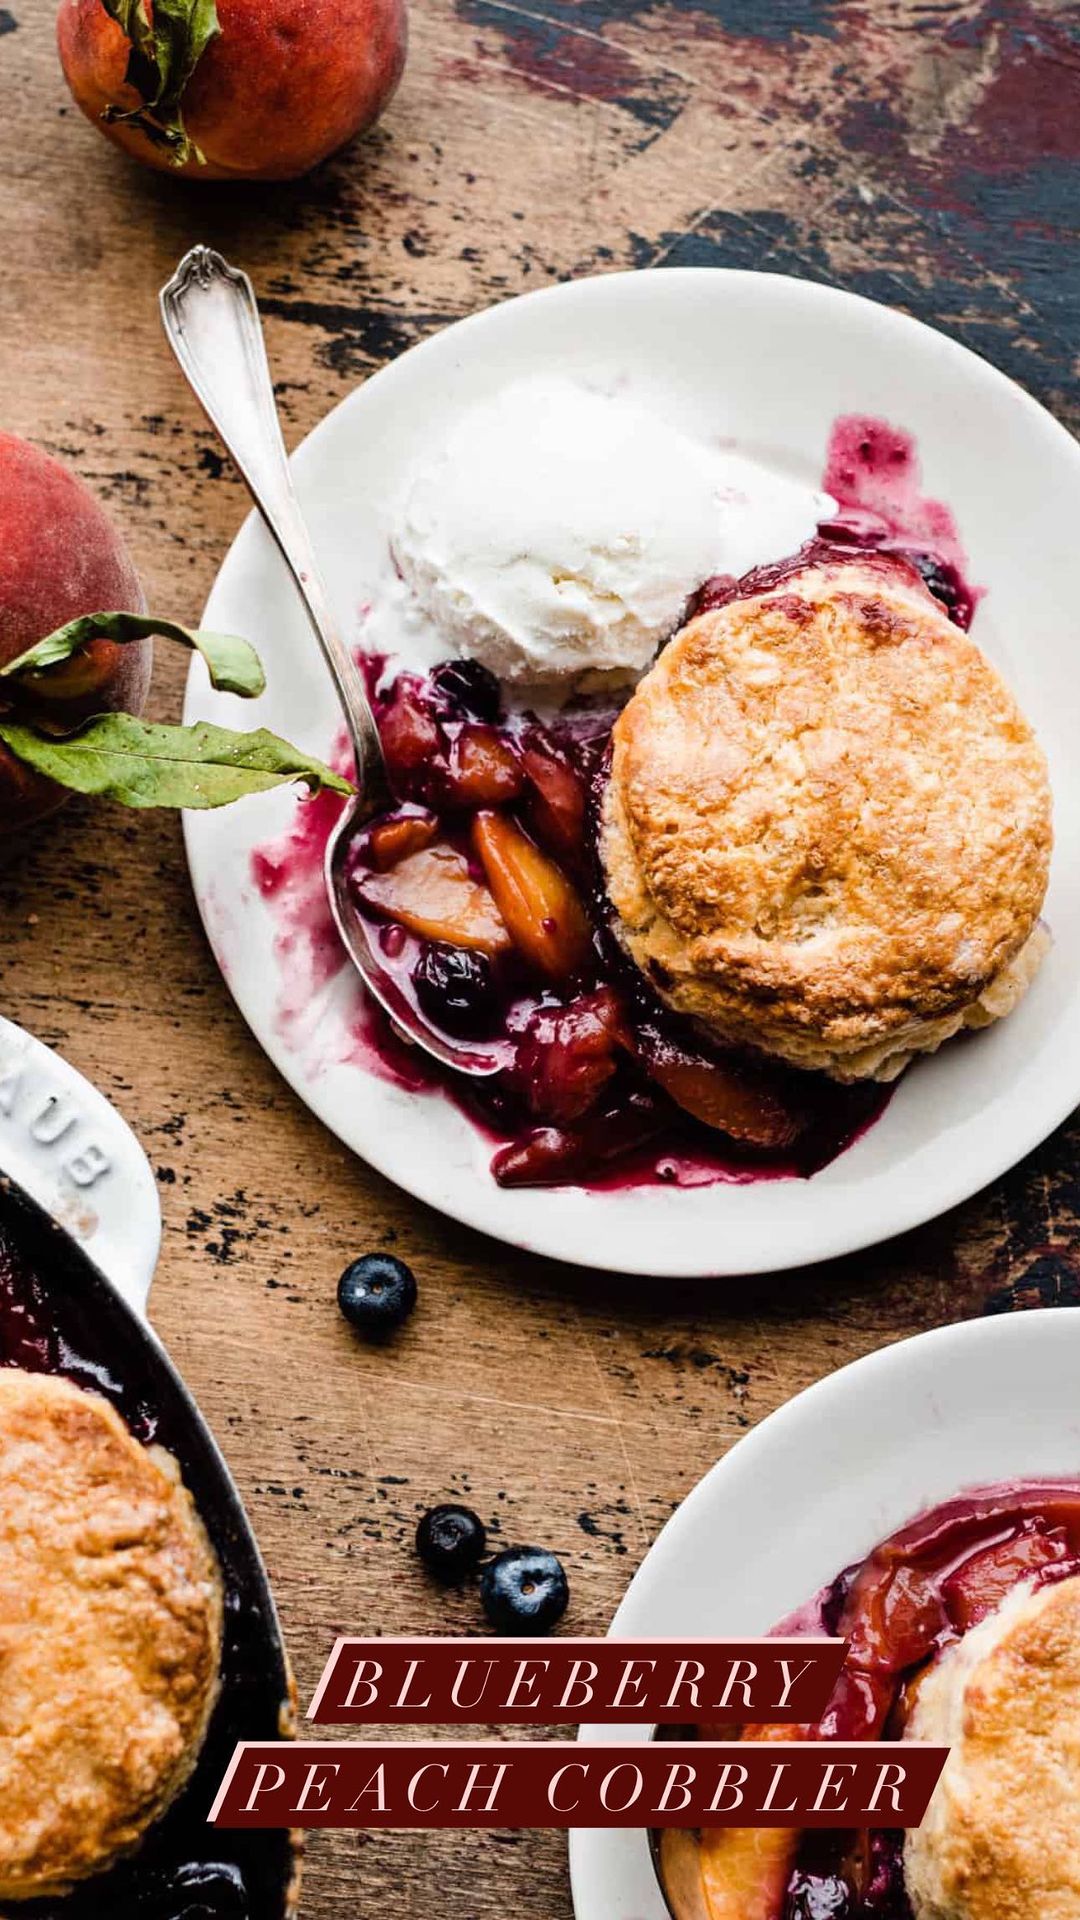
x=211, y=321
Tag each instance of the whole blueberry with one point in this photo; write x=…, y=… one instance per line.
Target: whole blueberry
x=376, y=1294
x=524, y=1590
x=455, y=987
x=943, y=581
x=450, y=1541
x=470, y=687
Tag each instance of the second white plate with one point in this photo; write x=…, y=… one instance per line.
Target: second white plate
x=815, y=1487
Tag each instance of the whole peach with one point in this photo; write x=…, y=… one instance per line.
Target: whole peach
x=60, y=556
x=279, y=88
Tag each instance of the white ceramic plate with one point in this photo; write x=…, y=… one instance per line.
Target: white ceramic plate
x=815, y=1487
x=766, y=363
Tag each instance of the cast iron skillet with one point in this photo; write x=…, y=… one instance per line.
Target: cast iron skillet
x=58, y=1314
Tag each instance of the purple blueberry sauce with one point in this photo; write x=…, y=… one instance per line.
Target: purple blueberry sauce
x=32, y=1340
x=872, y=472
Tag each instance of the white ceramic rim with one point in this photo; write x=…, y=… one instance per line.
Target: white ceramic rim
x=65, y=1145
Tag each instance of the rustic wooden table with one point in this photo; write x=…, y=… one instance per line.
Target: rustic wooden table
x=925, y=152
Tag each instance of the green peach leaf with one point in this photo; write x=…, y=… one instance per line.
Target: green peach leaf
x=167, y=43
x=233, y=663
x=145, y=765
x=183, y=29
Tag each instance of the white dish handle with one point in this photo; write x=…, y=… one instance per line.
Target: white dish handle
x=69, y=1149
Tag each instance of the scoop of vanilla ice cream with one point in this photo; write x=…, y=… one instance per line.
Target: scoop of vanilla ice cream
x=559, y=531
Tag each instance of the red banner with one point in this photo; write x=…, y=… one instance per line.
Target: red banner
x=545, y=1682
x=487, y=1783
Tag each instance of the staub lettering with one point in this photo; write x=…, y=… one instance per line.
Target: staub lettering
x=55, y=1122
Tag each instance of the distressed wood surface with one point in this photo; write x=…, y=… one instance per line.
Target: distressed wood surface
x=927, y=154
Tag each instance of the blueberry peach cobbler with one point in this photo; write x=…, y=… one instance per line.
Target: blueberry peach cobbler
x=716, y=818
x=703, y=929
x=963, y=1630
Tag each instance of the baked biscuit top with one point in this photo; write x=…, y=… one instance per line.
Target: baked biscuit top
x=1000, y=1840
x=110, y=1635
x=827, y=820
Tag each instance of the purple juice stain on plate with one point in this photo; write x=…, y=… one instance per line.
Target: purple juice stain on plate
x=873, y=473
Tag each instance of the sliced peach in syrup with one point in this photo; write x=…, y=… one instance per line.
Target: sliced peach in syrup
x=484, y=770
x=409, y=732
x=745, y=1871
x=678, y=1860
x=557, y=1156
x=392, y=840
x=556, y=804
x=980, y=1584
x=894, y=1614
x=567, y=1055
x=433, y=894
x=541, y=909
x=720, y=1098
x=745, y=1103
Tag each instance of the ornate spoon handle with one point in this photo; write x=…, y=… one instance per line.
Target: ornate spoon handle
x=211, y=321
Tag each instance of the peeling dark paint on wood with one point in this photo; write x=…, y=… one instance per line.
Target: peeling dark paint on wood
x=1053, y=1280
x=554, y=49
x=358, y=337
x=773, y=20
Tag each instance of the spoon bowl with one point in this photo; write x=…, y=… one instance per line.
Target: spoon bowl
x=211, y=321
x=354, y=934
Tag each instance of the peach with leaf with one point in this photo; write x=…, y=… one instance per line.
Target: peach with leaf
x=60, y=557
x=119, y=756
x=75, y=659
x=240, y=89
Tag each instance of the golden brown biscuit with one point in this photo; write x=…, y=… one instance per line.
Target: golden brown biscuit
x=1001, y=1839
x=110, y=1635
x=827, y=829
